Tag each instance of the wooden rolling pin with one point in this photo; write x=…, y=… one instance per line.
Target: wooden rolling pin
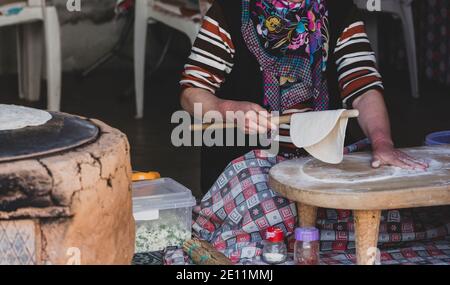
x=284, y=119
x=202, y=253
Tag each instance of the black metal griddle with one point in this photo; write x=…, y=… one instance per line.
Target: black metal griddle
x=61, y=133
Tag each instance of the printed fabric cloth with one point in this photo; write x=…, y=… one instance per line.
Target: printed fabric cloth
x=289, y=40
x=432, y=252
x=240, y=206
x=434, y=43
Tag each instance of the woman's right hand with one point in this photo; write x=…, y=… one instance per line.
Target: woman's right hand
x=257, y=119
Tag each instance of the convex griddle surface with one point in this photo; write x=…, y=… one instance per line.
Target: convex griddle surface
x=63, y=132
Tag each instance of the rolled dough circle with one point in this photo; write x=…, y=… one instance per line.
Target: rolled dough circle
x=348, y=171
x=321, y=134
x=14, y=117
x=351, y=171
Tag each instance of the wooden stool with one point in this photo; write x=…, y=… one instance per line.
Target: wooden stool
x=354, y=185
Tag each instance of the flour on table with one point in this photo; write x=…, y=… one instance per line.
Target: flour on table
x=14, y=117
x=321, y=134
x=356, y=174
x=341, y=175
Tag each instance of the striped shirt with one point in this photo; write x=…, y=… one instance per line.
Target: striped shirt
x=212, y=56
x=356, y=64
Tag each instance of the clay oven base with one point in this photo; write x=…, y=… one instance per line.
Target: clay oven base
x=70, y=208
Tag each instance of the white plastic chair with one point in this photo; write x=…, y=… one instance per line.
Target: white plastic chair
x=147, y=12
x=30, y=41
x=403, y=10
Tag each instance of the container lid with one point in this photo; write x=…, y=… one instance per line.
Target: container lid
x=307, y=234
x=161, y=194
x=274, y=234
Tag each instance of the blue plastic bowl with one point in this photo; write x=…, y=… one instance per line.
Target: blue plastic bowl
x=438, y=138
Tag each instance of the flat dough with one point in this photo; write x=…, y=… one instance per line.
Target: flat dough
x=321, y=134
x=14, y=117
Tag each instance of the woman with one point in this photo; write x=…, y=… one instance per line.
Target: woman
x=277, y=55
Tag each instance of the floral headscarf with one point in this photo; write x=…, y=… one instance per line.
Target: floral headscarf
x=286, y=27
x=290, y=41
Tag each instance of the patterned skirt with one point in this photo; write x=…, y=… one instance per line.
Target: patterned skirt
x=240, y=206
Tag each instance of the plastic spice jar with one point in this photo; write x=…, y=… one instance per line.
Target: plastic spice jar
x=306, y=248
x=274, y=250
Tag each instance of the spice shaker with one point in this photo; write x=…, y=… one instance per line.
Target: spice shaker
x=307, y=247
x=274, y=250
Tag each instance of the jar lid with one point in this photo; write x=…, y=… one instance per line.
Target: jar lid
x=274, y=234
x=307, y=234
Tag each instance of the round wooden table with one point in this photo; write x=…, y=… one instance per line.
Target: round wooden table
x=355, y=185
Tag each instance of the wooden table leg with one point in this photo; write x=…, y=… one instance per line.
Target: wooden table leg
x=367, y=224
x=307, y=215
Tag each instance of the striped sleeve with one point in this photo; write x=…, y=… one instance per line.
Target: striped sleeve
x=211, y=57
x=356, y=64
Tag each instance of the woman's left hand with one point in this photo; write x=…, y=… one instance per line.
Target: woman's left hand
x=386, y=154
x=374, y=121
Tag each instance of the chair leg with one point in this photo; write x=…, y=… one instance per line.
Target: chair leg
x=140, y=40
x=193, y=32
x=20, y=67
x=53, y=59
x=410, y=41
x=30, y=51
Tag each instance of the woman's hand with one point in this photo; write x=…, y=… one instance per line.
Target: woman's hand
x=255, y=119
x=384, y=153
x=374, y=121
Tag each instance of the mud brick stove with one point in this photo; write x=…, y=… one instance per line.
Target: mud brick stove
x=65, y=194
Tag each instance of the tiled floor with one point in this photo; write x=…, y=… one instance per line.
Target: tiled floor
x=101, y=95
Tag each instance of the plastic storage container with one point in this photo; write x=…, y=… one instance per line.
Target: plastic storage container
x=162, y=209
x=307, y=247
